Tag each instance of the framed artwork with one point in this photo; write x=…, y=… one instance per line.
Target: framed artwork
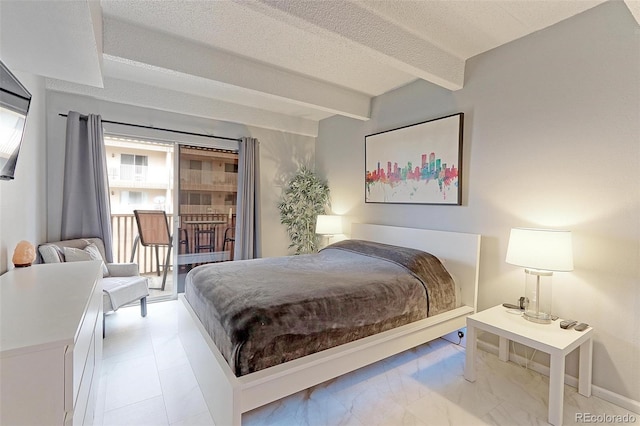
x=416, y=164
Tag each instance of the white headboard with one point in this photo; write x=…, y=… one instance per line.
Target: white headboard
x=460, y=253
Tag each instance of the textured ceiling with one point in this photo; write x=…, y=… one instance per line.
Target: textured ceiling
x=239, y=29
x=467, y=28
x=280, y=64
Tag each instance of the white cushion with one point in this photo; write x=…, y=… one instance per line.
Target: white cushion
x=76, y=255
x=123, y=290
x=93, y=251
x=50, y=253
x=90, y=252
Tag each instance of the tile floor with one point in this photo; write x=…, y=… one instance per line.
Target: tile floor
x=147, y=380
x=155, y=283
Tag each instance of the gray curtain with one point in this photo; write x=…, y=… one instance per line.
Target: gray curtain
x=86, y=211
x=247, y=244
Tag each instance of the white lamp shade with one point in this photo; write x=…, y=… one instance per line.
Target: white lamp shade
x=328, y=224
x=544, y=249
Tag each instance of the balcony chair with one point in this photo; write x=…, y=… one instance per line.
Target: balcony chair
x=206, y=236
x=184, y=240
x=121, y=282
x=153, y=231
x=229, y=237
x=184, y=247
x=205, y=240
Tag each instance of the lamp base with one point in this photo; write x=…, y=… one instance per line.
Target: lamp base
x=537, y=302
x=539, y=318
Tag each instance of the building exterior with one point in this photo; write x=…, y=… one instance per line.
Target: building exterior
x=140, y=175
x=208, y=180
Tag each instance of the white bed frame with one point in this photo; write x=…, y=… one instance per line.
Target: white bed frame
x=228, y=396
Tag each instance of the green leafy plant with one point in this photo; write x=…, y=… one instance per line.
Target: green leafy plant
x=305, y=197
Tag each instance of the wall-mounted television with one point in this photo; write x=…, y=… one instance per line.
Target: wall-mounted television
x=14, y=107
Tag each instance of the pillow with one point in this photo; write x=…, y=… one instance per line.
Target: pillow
x=51, y=253
x=90, y=252
x=75, y=255
x=94, y=252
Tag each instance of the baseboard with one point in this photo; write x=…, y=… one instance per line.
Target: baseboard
x=614, y=398
x=604, y=394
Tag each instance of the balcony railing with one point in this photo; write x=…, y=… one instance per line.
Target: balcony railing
x=125, y=229
x=191, y=209
x=133, y=176
x=209, y=180
x=129, y=172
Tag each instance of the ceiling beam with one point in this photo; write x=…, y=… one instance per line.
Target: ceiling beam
x=164, y=51
x=134, y=93
x=61, y=40
x=124, y=69
x=391, y=44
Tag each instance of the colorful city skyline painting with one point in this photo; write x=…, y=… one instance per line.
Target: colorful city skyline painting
x=416, y=164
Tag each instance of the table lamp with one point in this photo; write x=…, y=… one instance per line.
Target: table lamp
x=328, y=225
x=540, y=252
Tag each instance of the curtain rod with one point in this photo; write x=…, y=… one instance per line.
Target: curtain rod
x=84, y=117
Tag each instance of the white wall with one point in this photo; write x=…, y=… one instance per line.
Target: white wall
x=552, y=139
x=280, y=153
x=23, y=200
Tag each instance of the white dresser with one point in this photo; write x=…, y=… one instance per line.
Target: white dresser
x=50, y=343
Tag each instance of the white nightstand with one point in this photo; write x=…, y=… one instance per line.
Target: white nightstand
x=548, y=338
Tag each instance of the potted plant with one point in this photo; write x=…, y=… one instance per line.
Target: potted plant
x=305, y=197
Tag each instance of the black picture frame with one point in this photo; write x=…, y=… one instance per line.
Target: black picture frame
x=416, y=164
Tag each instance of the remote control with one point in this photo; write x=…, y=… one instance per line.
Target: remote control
x=581, y=327
x=566, y=324
x=510, y=306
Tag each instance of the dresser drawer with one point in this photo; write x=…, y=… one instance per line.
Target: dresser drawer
x=82, y=401
x=83, y=349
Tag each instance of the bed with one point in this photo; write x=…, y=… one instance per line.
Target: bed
x=231, y=386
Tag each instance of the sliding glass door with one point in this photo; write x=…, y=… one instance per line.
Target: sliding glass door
x=206, y=202
x=195, y=186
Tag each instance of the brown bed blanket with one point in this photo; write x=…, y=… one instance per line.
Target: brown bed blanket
x=264, y=312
